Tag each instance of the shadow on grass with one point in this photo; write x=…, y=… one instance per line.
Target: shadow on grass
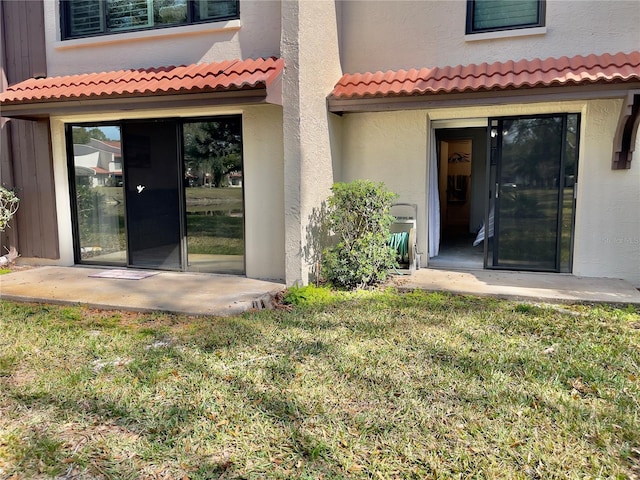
x=371, y=348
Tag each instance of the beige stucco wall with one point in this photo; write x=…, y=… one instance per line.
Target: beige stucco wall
x=608, y=222
x=263, y=178
x=256, y=34
x=311, y=133
x=393, y=147
x=393, y=34
x=390, y=147
x=264, y=192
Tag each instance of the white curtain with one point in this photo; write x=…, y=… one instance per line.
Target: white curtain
x=434, y=198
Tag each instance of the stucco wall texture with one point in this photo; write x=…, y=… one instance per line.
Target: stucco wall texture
x=257, y=34
x=293, y=153
x=393, y=147
x=263, y=181
x=390, y=35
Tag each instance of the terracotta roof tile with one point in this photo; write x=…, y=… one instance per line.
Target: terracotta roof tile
x=198, y=78
x=538, y=72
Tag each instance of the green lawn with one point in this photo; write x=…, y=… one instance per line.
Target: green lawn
x=375, y=385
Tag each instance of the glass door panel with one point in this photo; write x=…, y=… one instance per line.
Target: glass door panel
x=568, y=186
x=153, y=194
x=532, y=192
x=99, y=195
x=214, y=195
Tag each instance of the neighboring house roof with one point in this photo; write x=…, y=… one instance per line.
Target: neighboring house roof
x=112, y=146
x=227, y=76
x=578, y=70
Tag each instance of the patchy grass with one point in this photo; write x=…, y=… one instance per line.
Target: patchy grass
x=374, y=385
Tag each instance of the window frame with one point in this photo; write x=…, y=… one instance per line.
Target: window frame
x=65, y=21
x=469, y=30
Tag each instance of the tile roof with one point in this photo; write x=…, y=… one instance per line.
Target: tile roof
x=578, y=70
x=231, y=75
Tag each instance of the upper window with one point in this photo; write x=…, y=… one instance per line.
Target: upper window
x=495, y=15
x=85, y=18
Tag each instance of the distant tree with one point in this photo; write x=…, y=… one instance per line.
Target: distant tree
x=82, y=136
x=214, y=147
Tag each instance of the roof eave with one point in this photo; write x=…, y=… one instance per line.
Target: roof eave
x=485, y=97
x=42, y=109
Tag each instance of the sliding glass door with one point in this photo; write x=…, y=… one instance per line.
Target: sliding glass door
x=161, y=194
x=532, y=180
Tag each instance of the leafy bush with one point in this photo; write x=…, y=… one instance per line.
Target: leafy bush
x=359, y=217
x=9, y=203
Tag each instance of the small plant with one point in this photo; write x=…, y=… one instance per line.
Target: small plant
x=9, y=203
x=308, y=295
x=359, y=217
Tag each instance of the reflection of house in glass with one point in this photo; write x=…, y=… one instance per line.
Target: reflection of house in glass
x=235, y=179
x=98, y=163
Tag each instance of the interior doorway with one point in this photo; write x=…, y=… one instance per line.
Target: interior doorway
x=461, y=156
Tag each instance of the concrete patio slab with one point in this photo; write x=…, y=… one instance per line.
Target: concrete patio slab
x=208, y=294
x=547, y=287
x=179, y=292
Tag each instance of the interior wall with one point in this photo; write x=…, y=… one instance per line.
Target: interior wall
x=478, y=155
x=455, y=185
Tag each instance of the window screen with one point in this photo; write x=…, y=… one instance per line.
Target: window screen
x=85, y=18
x=491, y=15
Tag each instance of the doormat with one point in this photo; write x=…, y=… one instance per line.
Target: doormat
x=124, y=274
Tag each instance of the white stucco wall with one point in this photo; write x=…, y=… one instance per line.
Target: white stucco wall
x=393, y=147
x=256, y=34
x=393, y=34
x=263, y=178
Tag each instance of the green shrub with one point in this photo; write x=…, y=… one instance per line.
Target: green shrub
x=359, y=218
x=9, y=203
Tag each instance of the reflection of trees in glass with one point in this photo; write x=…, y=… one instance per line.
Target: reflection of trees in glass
x=169, y=11
x=82, y=136
x=532, y=147
x=213, y=148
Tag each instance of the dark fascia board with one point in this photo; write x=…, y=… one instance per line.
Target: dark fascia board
x=488, y=98
x=37, y=110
